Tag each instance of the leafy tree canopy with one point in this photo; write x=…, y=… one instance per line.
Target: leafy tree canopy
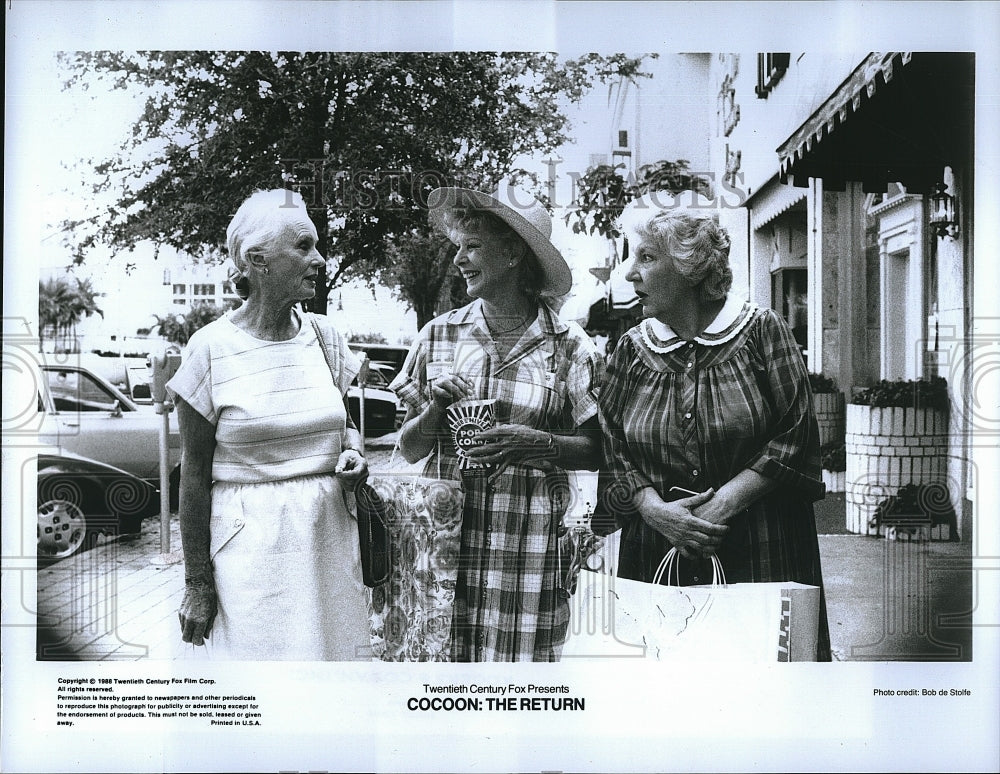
x=603, y=192
x=364, y=136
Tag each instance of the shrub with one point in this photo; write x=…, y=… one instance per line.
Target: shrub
x=368, y=338
x=921, y=393
x=916, y=503
x=114, y=353
x=833, y=457
x=822, y=384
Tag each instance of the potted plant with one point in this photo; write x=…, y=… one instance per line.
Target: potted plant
x=833, y=457
x=914, y=508
x=828, y=402
x=896, y=434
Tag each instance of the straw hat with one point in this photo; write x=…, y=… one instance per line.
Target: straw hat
x=523, y=213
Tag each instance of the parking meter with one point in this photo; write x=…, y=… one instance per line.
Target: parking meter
x=164, y=365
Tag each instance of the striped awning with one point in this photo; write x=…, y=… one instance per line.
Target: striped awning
x=771, y=200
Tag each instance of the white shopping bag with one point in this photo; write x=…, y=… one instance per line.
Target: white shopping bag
x=742, y=622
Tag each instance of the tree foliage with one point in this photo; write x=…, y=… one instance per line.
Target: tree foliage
x=419, y=267
x=364, y=136
x=179, y=328
x=61, y=306
x=602, y=192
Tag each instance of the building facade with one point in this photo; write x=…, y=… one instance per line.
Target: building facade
x=841, y=161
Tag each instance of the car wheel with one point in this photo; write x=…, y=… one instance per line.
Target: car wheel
x=62, y=529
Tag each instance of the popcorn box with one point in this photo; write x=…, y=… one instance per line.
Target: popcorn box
x=466, y=420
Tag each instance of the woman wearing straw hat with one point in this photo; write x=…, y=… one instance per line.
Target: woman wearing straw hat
x=542, y=375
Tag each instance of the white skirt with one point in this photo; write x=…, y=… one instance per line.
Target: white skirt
x=288, y=573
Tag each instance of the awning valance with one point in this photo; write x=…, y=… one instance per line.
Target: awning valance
x=772, y=200
x=899, y=117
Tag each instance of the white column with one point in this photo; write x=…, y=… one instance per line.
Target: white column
x=814, y=266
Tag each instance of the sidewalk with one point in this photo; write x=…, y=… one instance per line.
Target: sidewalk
x=888, y=600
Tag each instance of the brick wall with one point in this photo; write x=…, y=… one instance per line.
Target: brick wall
x=886, y=449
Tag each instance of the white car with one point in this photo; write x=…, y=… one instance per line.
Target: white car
x=102, y=472
x=85, y=414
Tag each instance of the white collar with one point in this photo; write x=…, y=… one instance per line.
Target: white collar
x=731, y=319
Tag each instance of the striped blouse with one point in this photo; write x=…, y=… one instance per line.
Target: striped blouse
x=274, y=407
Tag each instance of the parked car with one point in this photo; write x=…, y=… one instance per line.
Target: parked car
x=383, y=354
x=112, y=441
x=383, y=410
x=85, y=414
x=79, y=499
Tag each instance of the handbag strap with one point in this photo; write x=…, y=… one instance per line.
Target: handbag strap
x=323, y=347
x=670, y=566
x=329, y=366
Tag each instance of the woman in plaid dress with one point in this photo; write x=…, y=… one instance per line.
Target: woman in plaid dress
x=710, y=433
x=508, y=345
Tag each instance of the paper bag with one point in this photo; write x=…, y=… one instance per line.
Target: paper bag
x=615, y=617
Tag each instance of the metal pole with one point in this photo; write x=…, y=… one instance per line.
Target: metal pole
x=362, y=381
x=165, y=483
x=163, y=368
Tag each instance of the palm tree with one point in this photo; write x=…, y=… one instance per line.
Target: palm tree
x=61, y=306
x=83, y=304
x=53, y=298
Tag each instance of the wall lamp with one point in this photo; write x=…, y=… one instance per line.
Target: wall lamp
x=943, y=220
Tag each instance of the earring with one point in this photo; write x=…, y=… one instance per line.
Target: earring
x=266, y=270
x=511, y=264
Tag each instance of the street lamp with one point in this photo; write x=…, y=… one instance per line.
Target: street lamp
x=943, y=220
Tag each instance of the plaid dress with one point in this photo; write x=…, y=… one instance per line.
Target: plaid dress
x=508, y=603
x=693, y=414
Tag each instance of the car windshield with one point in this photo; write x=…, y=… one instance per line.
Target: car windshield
x=376, y=379
x=76, y=391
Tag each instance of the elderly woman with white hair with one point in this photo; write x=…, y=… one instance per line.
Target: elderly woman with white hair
x=269, y=458
x=710, y=434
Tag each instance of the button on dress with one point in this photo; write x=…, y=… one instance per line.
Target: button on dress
x=693, y=415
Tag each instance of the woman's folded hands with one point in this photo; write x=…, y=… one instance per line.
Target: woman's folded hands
x=677, y=521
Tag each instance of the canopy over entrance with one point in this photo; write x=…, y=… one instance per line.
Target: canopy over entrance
x=899, y=117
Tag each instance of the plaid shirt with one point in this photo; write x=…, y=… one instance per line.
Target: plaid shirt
x=693, y=415
x=508, y=603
